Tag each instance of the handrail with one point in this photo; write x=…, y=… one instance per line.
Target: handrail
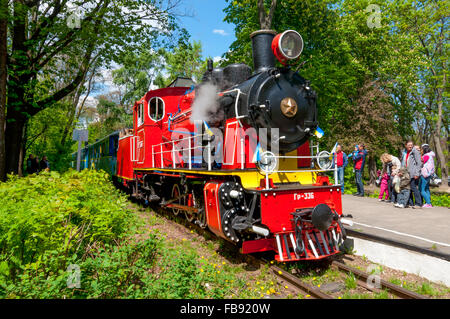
x=209, y=162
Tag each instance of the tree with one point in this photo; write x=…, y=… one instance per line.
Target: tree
x=349, y=59
x=111, y=117
x=425, y=24
x=3, y=78
x=371, y=124
x=138, y=70
x=265, y=19
x=46, y=32
x=185, y=60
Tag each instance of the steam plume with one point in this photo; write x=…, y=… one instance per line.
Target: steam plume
x=206, y=107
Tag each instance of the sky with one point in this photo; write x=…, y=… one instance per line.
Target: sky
x=207, y=26
x=204, y=23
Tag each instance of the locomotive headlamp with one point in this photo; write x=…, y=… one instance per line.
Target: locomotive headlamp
x=324, y=160
x=287, y=46
x=267, y=163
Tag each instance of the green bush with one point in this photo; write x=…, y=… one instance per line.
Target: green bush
x=440, y=199
x=122, y=270
x=49, y=219
x=53, y=226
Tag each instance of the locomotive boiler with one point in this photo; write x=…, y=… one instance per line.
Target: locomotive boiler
x=198, y=150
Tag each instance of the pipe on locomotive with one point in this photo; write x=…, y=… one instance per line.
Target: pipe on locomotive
x=263, y=57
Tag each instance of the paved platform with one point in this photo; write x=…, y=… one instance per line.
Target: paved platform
x=426, y=228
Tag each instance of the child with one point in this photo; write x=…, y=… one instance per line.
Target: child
x=384, y=187
x=379, y=177
x=403, y=187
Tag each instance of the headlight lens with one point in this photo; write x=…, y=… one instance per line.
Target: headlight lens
x=291, y=44
x=268, y=163
x=324, y=160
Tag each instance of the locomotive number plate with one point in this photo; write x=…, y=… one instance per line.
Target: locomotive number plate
x=303, y=196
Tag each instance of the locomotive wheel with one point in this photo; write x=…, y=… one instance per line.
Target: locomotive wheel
x=189, y=216
x=176, y=193
x=201, y=217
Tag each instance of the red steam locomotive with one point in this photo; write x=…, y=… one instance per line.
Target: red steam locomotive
x=233, y=154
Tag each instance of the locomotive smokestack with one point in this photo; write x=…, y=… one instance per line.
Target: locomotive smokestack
x=263, y=57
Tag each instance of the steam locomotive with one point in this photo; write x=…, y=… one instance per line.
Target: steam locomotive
x=233, y=154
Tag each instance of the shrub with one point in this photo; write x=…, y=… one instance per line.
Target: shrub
x=49, y=219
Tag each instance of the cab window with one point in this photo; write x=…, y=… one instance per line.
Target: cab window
x=156, y=108
x=140, y=114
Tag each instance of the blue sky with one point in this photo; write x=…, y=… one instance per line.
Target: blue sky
x=205, y=25
x=208, y=27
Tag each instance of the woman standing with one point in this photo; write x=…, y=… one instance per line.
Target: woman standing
x=426, y=172
x=391, y=165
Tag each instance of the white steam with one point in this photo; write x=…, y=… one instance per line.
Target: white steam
x=206, y=107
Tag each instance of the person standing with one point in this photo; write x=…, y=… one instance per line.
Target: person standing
x=30, y=164
x=426, y=172
x=384, y=187
x=391, y=165
x=403, y=188
x=341, y=162
x=412, y=161
x=35, y=165
x=44, y=165
x=359, y=159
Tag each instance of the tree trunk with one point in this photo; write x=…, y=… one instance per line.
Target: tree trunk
x=265, y=20
x=15, y=124
x=437, y=134
x=3, y=79
x=442, y=160
x=23, y=151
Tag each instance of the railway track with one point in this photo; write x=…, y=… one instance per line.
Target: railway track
x=313, y=291
x=361, y=276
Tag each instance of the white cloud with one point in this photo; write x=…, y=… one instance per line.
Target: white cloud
x=217, y=59
x=221, y=32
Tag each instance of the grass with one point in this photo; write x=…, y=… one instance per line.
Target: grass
x=350, y=281
x=425, y=288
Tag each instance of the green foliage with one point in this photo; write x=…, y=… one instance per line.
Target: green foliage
x=60, y=43
x=185, y=60
x=48, y=219
x=180, y=277
x=138, y=70
x=122, y=271
x=44, y=132
x=51, y=223
x=440, y=199
x=350, y=281
x=375, y=85
x=112, y=116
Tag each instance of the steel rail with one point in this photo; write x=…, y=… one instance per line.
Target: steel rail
x=297, y=282
x=396, y=290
